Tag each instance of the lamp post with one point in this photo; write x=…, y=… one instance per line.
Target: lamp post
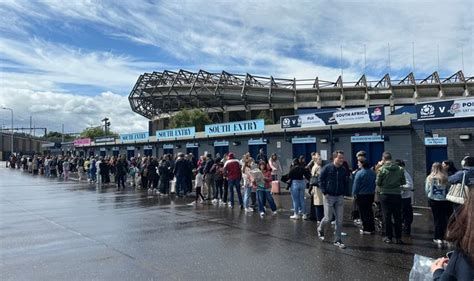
x=11, y=110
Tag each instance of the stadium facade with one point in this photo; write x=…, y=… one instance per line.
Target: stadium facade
x=425, y=120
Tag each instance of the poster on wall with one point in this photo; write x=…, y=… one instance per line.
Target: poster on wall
x=445, y=109
x=334, y=117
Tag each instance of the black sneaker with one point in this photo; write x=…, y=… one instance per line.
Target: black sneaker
x=399, y=242
x=321, y=235
x=339, y=244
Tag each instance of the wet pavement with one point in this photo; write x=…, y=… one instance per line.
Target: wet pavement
x=56, y=230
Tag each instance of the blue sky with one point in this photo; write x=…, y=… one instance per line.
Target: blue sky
x=75, y=62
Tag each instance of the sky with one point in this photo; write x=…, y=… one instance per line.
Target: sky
x=75, y=62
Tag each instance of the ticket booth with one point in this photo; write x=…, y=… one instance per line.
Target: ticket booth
x=193, y=148
x=436, y=151
x=103, y=152
x=303, y=146
x=373, y=146
x=148, y=150
x=130, y=152
x=168, y=149
x=255, y=145
x=221, y=147
x=116, y=151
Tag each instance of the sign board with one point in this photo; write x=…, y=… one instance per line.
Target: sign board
x=324, y=155
x=257, y=141
x=376, y=138
x=115, y=148
x=104, y=139
x=142, y=136
x=147, y=147
x=445, y=109
x=443, y=141
x=188, y=132
x=249, y=126
x=192, y=145
x=130, y=147
x=334, y=117
x=168, y=146
x=296, y=140
x=278, y=144
x=82, y=142
x=221, y=143
x=50, y=144
x=102, y=149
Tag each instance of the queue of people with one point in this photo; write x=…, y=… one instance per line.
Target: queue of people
x=387, y=185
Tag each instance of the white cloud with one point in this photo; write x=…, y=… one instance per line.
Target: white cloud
x=76, y=112
x=286, y=40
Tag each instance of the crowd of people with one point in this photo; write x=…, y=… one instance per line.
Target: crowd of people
x=215, y=180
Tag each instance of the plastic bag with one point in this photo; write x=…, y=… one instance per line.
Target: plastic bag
x=421, y=270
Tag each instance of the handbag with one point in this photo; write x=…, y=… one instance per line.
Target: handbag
x=313, y=181
x=456, y=192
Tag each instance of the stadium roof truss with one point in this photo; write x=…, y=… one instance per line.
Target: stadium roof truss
x=158, y=93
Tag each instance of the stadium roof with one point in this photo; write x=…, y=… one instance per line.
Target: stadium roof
x=166, y=92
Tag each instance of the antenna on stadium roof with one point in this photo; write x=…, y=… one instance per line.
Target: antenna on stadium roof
x=342, y=70
x=437, y=49
x=413, y=55
x=389, y=68
x=365, y=59
x=462, y=58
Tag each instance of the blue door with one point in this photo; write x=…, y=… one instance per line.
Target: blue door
x=374, y=152
x=304, y=149
x=255, y=148
x=130, y=154
x=168, y=151
x=148, y=152
x=103, y=153
x=435, y=154
x=221, y=150
x=116, y=153
x=194, y=151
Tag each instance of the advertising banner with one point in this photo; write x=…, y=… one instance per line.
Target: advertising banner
x=445, y=109
x=443, y=141
x=104, y=139
x=142, y=136
x=82, y=142
x=249, y=126
x=334, y=117
x=176, y=133
x=376, y=138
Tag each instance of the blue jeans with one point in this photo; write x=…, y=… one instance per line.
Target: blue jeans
x=297, y=194
x=262, y=196
x=181, y=185
x=333, y=206
x=247, y=194
x=236, y=184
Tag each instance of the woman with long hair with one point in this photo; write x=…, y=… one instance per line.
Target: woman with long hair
x=459, y=265
x=436, y=188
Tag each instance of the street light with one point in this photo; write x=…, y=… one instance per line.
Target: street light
x=6, y=108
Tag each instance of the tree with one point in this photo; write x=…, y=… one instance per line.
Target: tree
x=266, y=117
x=94, y=132
x=190, y=118
x=57, y=137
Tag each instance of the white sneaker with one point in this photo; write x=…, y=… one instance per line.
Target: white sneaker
x=192, y=203
x=295, y=217
x=214, y=201
x=438, y=241
x=262, y=214
x=248, y=210
x=305, y=217
x=275, y=213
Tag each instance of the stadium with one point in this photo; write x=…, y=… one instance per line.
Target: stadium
x=421, y=121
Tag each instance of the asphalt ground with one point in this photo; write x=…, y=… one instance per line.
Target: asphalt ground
x=56, y=230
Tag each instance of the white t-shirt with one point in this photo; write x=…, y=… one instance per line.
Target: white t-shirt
x=199, y=180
